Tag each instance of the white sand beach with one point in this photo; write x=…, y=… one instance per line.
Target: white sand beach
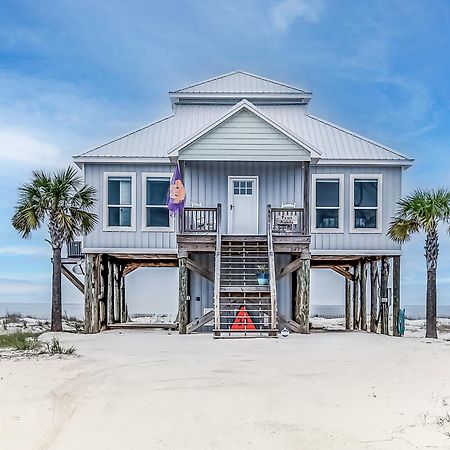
x=158, y=390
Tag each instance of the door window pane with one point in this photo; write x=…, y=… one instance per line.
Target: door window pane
x=327, y=218
x=365, y=218
x=327, y=193
x=366, y=193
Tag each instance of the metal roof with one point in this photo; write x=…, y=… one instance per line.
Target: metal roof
x=158, y=138
x=331, y=141
x=240, y=82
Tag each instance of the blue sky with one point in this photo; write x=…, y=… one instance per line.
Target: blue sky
x=74, y=74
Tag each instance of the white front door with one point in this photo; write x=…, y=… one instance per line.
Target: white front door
x=242, y=205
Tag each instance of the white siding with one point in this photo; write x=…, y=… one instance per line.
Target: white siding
x=93, y=174
x=279, y=182
x=391, y=192
x=244, y=137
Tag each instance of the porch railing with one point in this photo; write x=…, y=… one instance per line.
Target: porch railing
x=287, y=221
x=198, y=220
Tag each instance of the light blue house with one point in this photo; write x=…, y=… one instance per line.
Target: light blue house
x=270, y=188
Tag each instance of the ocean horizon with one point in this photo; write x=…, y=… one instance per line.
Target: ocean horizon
x=43, y=310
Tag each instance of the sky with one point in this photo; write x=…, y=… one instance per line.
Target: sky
x=75, y=74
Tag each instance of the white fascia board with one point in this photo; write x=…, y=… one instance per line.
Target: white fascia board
x=132, y=251
x=243, y=104
x=366, y=162
x=119, y=159
x=356, y=252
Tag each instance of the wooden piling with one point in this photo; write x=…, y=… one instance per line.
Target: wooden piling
x=302, y=296
x=384, y=306
x=395, y=293
x=123, y=303
x=110, y=293
x=182, y=294
x=373, y=296
x=116, y=293
x=363, y=296
x=347, y=304
x=88, y=293
x=357, y=272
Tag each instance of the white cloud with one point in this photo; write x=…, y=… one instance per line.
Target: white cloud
x=25, y=251
x=19, y=147
x=286, y=12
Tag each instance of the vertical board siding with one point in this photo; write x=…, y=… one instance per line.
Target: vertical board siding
x=93, y=176
x=279, y=182
x=391, y=192
x=243, y=137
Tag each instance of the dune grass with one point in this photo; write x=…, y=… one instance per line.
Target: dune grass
x=20, y=341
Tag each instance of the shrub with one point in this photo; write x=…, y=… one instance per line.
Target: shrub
x=54, y=347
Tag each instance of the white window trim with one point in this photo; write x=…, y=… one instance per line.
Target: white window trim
x=328, y=176
x=106, y=175
x=379, y=178
x=232, y=178
x=146, y=175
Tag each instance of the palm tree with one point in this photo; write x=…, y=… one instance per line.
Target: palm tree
x=423, y=211
x=63, y=202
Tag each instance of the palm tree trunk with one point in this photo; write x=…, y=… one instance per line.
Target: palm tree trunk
x=431, y=254
x=56, y=291
x=431, y=304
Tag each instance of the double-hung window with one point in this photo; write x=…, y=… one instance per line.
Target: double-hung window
x=155, y=187
x=119, y=208
x=365, y=203
x=327, y=193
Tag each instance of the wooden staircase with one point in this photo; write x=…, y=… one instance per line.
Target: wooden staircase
x=237, y=293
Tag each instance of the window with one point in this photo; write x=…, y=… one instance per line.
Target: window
x=155, y=192
x=119, y=203
x=366, y=210
x=243, y=187
x=327, y=203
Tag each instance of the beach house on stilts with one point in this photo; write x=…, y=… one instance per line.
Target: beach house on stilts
x=270, y=192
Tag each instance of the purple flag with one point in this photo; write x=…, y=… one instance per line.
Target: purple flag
x=177, y=193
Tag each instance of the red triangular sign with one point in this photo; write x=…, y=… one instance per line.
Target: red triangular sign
x=243, y=321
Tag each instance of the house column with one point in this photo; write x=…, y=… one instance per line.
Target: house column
x=302, y=295
x=182, y=293
x=373, y=295
x=363, y=296
x=357, y=273
x=384, y=307
x=348, y=304
x=395, y=293
x=306, y=186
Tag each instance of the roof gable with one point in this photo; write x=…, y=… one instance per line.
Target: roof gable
x=239, y=82
x=244, y=133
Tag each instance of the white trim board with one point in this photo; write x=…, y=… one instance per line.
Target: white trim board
x=104, y=198
x=230, y=193
x=144, y=227
x=340, y=178
x=379, y=228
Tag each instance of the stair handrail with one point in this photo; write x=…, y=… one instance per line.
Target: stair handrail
x=217, y=270
x=272, y=279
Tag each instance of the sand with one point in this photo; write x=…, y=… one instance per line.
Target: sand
x=156, y=390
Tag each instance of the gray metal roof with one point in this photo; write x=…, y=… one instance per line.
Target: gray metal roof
x=158, y=138
x=240, y=82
